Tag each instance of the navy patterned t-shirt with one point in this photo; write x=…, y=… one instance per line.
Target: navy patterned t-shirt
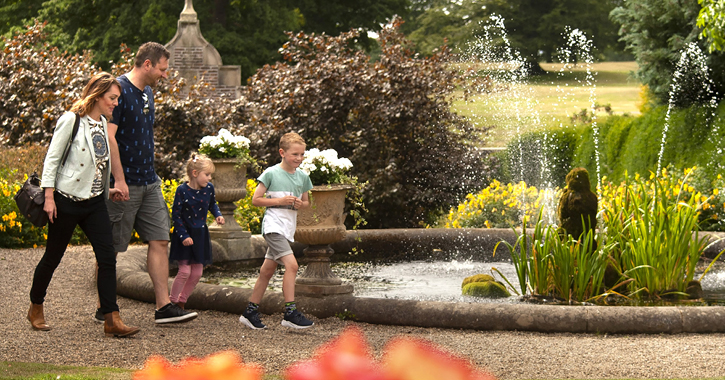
x=134, y=116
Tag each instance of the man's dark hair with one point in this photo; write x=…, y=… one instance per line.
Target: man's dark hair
x=153, y=51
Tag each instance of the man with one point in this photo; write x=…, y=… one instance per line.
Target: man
x=140, y=203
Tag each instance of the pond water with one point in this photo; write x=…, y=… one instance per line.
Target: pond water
x=432, y=280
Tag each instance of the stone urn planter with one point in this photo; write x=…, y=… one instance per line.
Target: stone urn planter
x=229, y=241
x=320, y=225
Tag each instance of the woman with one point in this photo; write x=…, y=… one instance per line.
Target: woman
x=75, y=194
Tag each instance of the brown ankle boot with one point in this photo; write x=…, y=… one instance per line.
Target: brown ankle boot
x=113, y=326
x=36, y=318
x=181, y=305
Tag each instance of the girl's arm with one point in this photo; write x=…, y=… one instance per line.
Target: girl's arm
x=214, y=207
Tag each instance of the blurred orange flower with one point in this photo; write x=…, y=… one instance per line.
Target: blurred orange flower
x=348, y=357
x=225, y=365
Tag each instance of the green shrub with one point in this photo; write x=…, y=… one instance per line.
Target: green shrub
x=540, y=158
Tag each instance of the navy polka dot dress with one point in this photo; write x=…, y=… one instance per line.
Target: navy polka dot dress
x=189, y=215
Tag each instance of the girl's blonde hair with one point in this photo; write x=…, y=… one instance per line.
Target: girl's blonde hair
x=94, y=90
x=198, y=162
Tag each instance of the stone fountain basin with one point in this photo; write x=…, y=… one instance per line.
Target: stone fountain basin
x=134, y=282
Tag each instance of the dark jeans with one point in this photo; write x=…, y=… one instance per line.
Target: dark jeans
x=92, y=216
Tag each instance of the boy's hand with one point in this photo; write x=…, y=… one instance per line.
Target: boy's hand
x=289, y=200
x=187, y=242
x=220, y=220
x=298, y=203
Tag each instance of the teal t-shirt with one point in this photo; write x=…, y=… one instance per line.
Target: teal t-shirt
x=279, y=183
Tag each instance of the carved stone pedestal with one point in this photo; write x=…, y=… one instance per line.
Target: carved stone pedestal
x=318, y=279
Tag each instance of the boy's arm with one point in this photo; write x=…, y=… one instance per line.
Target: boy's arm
x=259, y=200
x=305, y=200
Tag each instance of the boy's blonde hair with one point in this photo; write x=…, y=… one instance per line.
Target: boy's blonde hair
x=198, y=162
x=290, y=138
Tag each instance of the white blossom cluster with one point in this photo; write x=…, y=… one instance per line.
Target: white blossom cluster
x=224, y=144
x=325, y=161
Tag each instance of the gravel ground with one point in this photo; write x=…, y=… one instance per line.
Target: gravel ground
x=76, y=340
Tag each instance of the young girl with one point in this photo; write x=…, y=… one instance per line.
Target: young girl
x=190, y=243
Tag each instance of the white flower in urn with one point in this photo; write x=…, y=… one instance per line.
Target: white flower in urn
x=325, y=168
x=226, y=145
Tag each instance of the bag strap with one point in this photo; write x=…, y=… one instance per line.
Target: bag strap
x=70, y=141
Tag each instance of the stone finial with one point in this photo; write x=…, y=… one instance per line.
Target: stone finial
x=188, y=14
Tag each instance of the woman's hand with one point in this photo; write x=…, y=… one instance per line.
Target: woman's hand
x=188, y=241
x=220, y=220
x=49, y=205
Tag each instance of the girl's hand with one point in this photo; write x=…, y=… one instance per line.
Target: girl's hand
x=220, y=220
x=187, y=242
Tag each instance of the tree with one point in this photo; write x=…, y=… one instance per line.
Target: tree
x=712, y=21
x=656, y=31
x=391, y=117
x=534, y=27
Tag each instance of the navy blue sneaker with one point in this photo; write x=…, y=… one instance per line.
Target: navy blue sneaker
x=296, y=320
x=251, y=320
x=99, y=317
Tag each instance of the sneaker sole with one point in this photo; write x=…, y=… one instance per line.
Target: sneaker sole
x=98, y=320
x=179, y=319
x=294, y=326
x=249, y=324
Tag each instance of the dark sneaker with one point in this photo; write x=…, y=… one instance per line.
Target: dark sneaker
x=296, y=320
x=251, y=319
x=172, y=313
x=98, y=317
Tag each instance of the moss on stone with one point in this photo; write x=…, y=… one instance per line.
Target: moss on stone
x=488, y=289
x=477, y=278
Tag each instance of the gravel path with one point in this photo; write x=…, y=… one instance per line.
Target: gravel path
x=76, y=340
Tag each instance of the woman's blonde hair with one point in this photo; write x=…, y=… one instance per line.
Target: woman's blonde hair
x=198, y=162
x=95, y=89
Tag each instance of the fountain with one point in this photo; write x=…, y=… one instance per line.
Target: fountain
x=454, y=254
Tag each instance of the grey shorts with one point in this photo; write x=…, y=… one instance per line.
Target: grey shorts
x=146, y=212
x=277, y=247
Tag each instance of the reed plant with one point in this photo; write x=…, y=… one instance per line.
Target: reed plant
x=654, y=225
x=550, y=263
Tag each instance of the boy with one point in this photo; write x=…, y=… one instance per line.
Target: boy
x=286, y=189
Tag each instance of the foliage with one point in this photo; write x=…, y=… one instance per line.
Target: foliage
x=20, y=161
x=245, y=32
x=711, y=20
x=37, y=84
x=389, y=117
x=225, y=145
x=652, y=223
x=656, y=32
x=629, y=144
x=500, y=206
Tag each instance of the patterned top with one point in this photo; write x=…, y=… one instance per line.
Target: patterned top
x=190, y=208
x=134, y=116
x=101, y=152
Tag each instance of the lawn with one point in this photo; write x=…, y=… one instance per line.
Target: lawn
x=551, y=99
x=37, y=371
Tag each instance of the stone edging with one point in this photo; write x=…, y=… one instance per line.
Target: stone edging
x=134, y=282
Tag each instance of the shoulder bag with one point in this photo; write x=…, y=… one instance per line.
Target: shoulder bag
x=31, y=197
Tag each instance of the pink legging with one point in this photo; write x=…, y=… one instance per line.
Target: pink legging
x=185, y=281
